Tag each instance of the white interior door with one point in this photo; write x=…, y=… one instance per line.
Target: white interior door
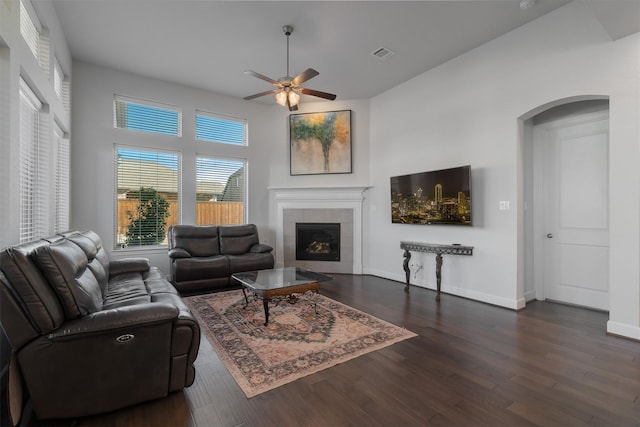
x=575, y=215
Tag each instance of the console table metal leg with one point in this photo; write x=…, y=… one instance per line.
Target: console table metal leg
x=438, y=274
x=407, y=269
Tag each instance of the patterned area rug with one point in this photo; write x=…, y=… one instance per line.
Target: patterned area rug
x=296, y=342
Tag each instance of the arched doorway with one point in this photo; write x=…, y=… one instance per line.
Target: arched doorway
x=565, y=202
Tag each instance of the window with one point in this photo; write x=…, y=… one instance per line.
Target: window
x=58, y=78
x=147, y=196
x=34, y=35
x=220, y=190
x=146, y=116
x=33, y=190
x=61, y=190
x=216, y=128
x=30, y=27
x=61, y=84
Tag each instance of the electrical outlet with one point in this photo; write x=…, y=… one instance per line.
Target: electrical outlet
x=504, y=205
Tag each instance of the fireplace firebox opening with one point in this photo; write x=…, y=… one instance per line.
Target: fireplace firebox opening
x=317, y=241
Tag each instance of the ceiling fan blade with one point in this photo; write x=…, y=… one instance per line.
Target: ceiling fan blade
x=317, y=93
x=293, y=107
x=263, y=77
x=257, y=95
x=307, y=74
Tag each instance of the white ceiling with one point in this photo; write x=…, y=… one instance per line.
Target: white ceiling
x=208, y=44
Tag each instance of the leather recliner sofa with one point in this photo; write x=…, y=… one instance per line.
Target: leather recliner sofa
x=89, y=334
x=203, y=257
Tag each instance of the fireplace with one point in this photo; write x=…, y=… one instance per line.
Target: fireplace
x=317, y=241
x=341, y=205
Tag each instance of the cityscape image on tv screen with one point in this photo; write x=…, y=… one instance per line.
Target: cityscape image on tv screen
x=434, y=197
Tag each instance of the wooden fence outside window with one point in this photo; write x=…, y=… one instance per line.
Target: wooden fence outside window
x=215, y=213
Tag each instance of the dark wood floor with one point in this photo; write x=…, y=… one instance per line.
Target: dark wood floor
x=472, y=364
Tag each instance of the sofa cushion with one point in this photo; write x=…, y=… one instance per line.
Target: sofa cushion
x=197, y=240
x=126, y=289
x=188, y=269
x=250, y=262
x=65, y=264
x=98, y=261
x=237, y=239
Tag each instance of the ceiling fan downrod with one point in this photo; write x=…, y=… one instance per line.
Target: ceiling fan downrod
x=288, y=29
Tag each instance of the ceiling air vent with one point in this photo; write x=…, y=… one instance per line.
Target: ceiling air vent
x=382, y=53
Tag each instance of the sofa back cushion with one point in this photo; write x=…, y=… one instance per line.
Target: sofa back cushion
x=97, y=258
x=237, y=239
x=66, y=266
x=198, y=240
x=30, y=288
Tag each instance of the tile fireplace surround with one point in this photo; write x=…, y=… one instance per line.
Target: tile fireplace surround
x=318, y=204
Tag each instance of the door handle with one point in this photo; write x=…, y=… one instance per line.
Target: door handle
x=549, y=236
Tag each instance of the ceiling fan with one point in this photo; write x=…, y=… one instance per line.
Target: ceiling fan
x=288, y=88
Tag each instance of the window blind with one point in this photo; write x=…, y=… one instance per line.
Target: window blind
x=33, y=187
x=217, y=128
x=221, y=190
x=58, y=78
x=61, y=85
x=30, y=27
x=147, y=116
x=36, y=37
x=147, y=196
x=62, y=164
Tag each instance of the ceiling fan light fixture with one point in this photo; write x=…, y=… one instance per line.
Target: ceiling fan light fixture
x=294, y=98
x=287, y=97
x=281, y=98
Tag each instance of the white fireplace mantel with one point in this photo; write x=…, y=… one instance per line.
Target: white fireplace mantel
x=282, y=198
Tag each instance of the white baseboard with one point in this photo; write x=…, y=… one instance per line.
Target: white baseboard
x=623, y=330
x=514, y=304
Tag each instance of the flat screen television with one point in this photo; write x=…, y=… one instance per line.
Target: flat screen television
x=434, y=197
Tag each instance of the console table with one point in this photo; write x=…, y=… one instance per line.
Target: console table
x=434, y=248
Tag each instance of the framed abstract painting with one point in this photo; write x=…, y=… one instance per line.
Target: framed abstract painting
x=320, y=143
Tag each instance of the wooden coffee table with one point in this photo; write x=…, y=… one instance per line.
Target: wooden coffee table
x=279, y=283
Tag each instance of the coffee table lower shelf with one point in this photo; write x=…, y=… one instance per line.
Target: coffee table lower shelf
x=278, y=284
x=289, y=292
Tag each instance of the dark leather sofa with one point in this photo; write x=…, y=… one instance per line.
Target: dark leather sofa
x=203, y=257
x=89, y=334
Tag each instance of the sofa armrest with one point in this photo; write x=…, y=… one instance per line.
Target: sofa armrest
x=260, y=248
x=107, y=321
x=179, y=253
x=128, y=265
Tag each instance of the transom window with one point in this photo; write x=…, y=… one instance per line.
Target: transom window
x=36, y=37
x=146, y=116
x=218, y=128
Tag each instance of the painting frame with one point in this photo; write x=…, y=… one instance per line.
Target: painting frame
x=320, y=143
